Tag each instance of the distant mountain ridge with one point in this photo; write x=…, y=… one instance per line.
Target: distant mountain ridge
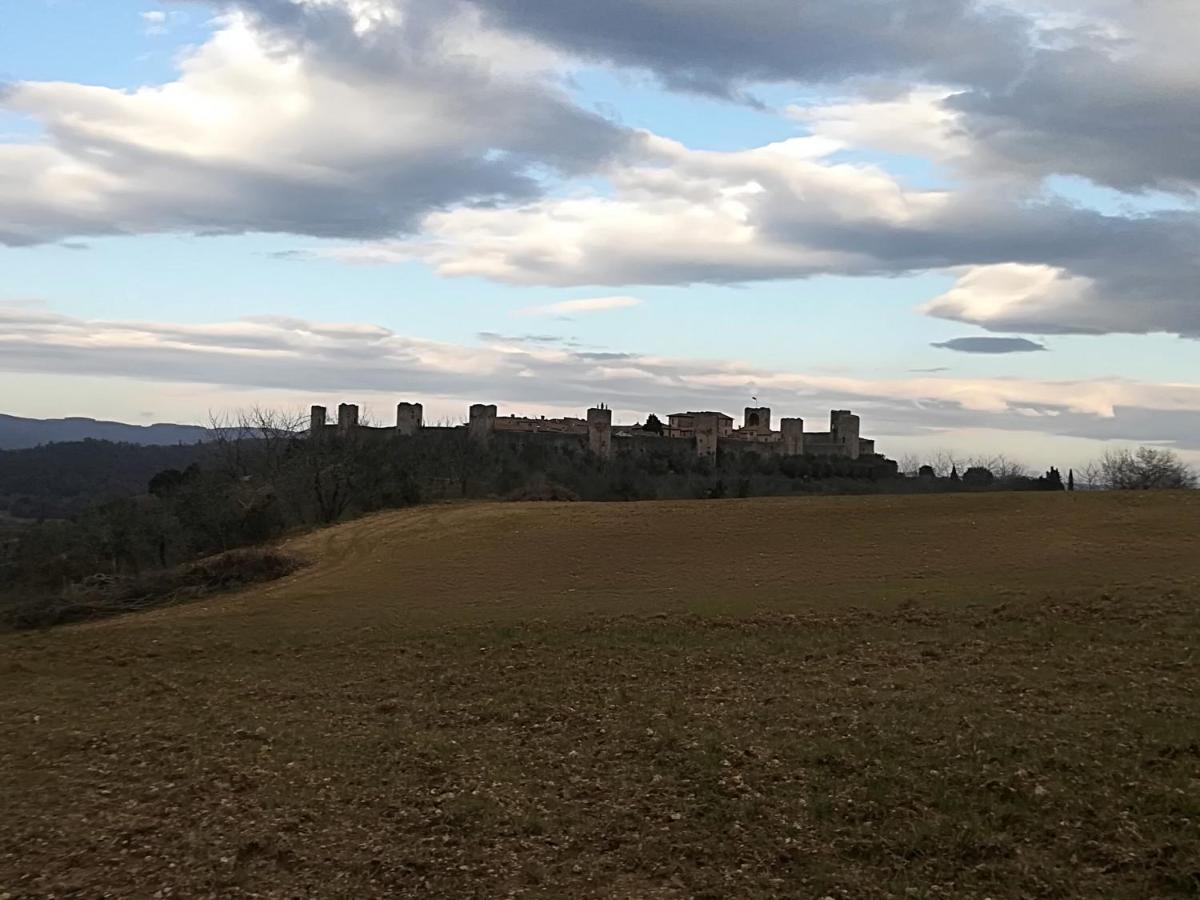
x=17, y=433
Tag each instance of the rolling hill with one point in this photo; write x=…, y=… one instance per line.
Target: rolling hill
x=18, y=433
x=936, y=696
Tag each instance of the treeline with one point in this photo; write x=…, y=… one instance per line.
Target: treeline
x=267, y=479
x=250, y=488
x=982, y=478
x=57, y=481
x=1117, y=469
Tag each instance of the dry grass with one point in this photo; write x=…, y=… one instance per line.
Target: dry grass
x=967, y=696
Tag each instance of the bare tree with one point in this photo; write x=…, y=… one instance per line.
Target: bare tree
x=944, y=462
x=226, y=439
x=254, y=441
x=328, y=477
x=1001, y=466
x=367, y=417
x=271, y=453
x=1147, y=468
x=1090, y=477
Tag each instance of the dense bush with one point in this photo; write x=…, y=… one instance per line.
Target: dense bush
x=540, y=489
x=100, y=596
x=978, y=476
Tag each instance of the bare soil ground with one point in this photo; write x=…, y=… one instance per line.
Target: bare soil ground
x=953, y=696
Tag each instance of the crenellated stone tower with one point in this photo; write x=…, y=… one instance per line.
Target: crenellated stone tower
x=757, y=418
x=347, y=417
x=317, y=418
x=410, y=418
x=482, y=423
x=791, y=432
x=845, y=428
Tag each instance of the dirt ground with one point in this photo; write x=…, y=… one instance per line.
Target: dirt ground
x=988, y=695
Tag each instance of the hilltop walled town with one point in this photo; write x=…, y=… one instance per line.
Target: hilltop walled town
x=706, y=431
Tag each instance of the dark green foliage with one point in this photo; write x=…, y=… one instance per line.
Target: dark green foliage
x=60, y=480
x=1051, y=481
x=168, y=481
x=653, y=424
x=978, y=476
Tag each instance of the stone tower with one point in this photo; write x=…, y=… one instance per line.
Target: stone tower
x=844, y=428
x=707, y=428
x=599, y=421
x=410, y=418
x=792, y=434
x=757, y=418
x=316, y=421
x=347, y=417
x=482, y=422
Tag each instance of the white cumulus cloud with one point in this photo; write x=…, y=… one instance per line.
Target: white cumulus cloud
x=568, y=308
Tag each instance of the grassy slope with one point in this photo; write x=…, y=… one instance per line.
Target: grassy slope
x=958, y=696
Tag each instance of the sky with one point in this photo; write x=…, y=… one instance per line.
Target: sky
x=976, y=224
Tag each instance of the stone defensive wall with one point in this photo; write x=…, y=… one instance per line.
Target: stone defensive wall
x=702, y=434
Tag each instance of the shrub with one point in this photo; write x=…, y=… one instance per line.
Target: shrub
x=540, y=489
x=100, y=596
x=978, y=476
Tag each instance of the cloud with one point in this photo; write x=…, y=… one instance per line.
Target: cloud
x=497, y=339
x=1104, y=89
x=157, y=22
x=713, y=46
x=569, y=308
x=442, y=130
x=913, y=120
x=990, y=345
x=274, y=353
x=318, y=129
x=1113, y=95
x=787, y=210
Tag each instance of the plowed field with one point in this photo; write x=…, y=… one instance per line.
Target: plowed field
x=991, y=695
